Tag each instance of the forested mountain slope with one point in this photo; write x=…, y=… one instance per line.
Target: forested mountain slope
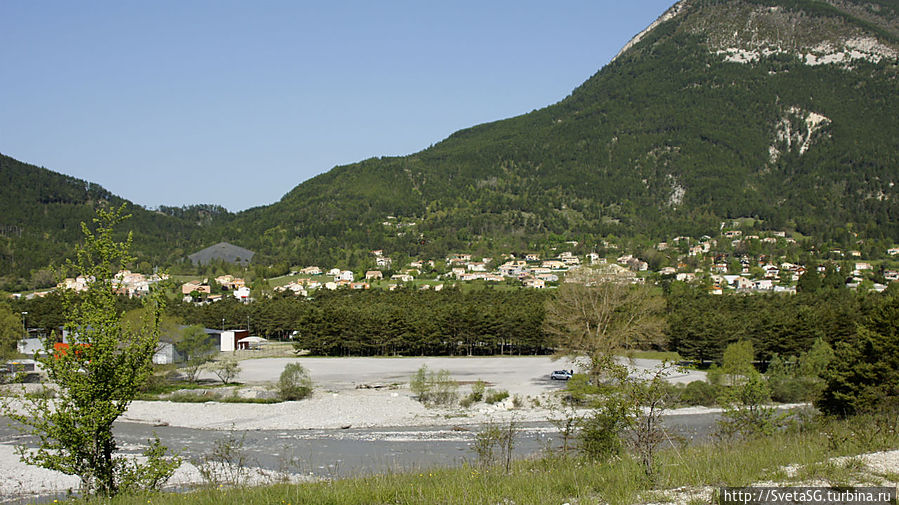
x=783, y=110
x=40, y=222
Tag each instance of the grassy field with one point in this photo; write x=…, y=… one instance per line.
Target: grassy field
x=556, y=479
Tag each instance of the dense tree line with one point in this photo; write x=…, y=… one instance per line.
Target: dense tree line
x=401, y=322
x=701, y=325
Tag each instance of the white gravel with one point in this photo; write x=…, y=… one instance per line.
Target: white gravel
x=338, y=401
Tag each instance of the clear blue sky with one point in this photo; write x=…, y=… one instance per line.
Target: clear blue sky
x=235, y=103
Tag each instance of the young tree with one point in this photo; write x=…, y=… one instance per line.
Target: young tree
x=96, y=377
x=11, y=331
x=737, y=361
x=196, y=346
x=651, y=397
x=226, y=370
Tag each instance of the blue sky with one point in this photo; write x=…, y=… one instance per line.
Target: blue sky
x=235, y=103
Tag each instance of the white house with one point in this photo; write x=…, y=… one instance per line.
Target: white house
x=764, y=285
x=242, y=293
x=344, y=275
x=534, y=283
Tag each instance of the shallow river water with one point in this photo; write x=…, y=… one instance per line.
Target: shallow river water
x=343, y=453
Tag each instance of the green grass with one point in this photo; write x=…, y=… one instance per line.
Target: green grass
x=557, y=479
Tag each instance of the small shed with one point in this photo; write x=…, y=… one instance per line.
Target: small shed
x=230, y=338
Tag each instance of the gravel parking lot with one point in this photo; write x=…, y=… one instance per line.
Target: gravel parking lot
x=525, y=375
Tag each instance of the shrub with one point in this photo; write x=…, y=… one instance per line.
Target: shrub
x=420, y=385
x=476, y=394
x=477, y=390
x=226, y=370
x=715, y=375
x=580, y=390
x=699, y=393
x=495, y=396
x=294, y=383
x=746, y=414
x=794, y=389
x=495, y=444
x=434, y=388
x=600, y=435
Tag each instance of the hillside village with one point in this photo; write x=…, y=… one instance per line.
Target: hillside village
x=730, y=263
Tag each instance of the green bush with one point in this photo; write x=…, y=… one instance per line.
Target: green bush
x=477, y=390
x=580, y=390
x=434, y=388
x=476, y=394
x=294, y=383
x=794, y=389
x=699, y=393
x=600, y=435
x=495, y=396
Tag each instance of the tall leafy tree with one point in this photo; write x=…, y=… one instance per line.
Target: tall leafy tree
x=597, y=316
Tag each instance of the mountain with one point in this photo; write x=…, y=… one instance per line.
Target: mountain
x=40, y=222
x=780, y=110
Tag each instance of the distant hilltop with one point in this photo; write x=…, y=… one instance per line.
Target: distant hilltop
x=223, y=251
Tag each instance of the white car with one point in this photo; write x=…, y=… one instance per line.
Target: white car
x=560, y=375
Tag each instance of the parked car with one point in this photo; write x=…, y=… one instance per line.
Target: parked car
x=561, y=375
